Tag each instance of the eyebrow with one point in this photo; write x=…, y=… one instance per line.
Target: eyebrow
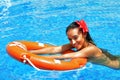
x=73, y=37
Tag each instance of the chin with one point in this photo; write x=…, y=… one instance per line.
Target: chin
x=78, y=49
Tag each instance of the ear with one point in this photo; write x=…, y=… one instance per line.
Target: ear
x=85, y=34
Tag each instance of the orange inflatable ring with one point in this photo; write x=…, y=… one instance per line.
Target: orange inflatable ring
x=20, y=51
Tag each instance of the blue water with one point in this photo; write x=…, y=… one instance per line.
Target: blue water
x=46, y=21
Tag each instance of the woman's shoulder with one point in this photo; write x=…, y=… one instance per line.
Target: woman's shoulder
x=93, y=47
x=95, y=50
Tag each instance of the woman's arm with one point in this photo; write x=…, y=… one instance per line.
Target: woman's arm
x=86, y=52
x=54, y=49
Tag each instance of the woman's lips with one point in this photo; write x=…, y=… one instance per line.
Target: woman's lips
x=75, y=45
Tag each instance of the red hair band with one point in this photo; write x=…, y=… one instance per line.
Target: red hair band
x=82, y=25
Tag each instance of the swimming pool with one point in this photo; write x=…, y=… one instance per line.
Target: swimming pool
x=45, y=21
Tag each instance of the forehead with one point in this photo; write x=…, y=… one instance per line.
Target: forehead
x=73, y=32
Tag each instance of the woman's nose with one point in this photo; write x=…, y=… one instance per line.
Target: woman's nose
x=73, y=41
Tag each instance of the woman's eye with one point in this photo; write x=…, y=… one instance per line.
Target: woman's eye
x=69, y=39
x=75, y=37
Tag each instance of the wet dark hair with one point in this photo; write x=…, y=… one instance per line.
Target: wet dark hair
x=75, y=25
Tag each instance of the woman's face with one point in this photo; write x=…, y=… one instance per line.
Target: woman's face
x=76, y=38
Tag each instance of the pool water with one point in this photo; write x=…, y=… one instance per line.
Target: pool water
x=46, y=21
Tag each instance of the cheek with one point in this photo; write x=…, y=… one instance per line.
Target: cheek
x=80, y=41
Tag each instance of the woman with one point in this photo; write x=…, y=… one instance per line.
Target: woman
x=80, y=39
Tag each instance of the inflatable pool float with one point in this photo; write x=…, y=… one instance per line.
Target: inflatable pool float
x=20, y=51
